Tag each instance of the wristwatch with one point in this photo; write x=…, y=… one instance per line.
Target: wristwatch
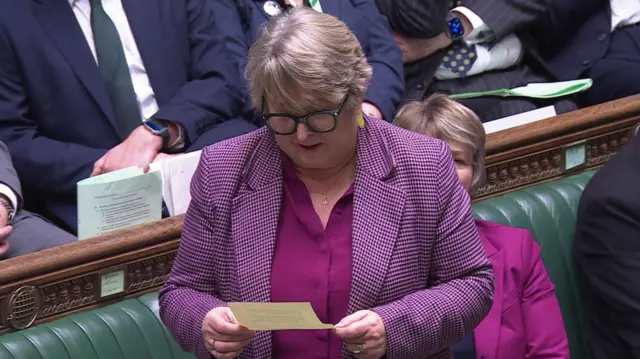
x=456, y=30
x=162, y=130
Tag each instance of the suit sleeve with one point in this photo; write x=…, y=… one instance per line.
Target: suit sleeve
x=43, y=163
x=539, y=301
x=505, y=17
x=213, y=93
x=553, y=29
x=387, y=85
x=607, y=252
x=460, y=291
x=187, y=296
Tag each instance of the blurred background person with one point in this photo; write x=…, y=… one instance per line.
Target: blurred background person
x=479, y=46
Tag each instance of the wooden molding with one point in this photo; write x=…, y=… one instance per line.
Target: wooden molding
x=538, y=152
x=46, y=285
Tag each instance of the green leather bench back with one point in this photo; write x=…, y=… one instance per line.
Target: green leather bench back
x=132, y=328
x=549, y=212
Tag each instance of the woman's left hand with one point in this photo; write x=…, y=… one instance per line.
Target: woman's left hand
x=364, y=333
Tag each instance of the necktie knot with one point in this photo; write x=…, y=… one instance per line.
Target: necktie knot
x=95, y=3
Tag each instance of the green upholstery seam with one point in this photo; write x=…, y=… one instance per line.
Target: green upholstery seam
x=9, y=350
x=61, y=340
x=32, y=343
x=72, y=320
x=138, y=327
x=112, y=333
x=164, y=328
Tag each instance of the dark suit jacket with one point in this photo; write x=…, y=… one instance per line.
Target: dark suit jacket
x=55, y=114
x=607, y=251
x=242, y=21
x=572, y=35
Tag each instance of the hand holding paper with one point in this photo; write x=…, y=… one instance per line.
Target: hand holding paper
x=364, y=333
x=277, y=316
x=222, y=335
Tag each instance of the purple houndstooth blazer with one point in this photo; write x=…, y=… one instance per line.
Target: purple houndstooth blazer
x=417, y=257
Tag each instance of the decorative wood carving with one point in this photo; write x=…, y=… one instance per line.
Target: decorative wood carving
x=522, y=171
x=543, y=166
x=150, y=273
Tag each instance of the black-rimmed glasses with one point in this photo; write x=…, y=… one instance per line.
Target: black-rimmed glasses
x=318, y=122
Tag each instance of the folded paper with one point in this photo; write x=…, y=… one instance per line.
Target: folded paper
x=277, y=316
x=534, y=90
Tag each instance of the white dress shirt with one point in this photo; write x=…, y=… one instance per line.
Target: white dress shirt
x=506, y=53
x=8, y=192
x=624, y=12
x=115, y=11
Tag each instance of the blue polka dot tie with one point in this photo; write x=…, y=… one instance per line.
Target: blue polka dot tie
x=459, y=59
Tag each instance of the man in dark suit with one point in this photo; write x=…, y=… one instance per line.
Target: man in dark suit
x=90, y=86
x=493, y=52
x=22, y=232
x=598, y=39
x=607, y=252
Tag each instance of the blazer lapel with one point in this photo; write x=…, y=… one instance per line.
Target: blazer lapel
x=147, y=29
x=61, y=26
x=487, y=333
x=254, y=218
x=377, y=213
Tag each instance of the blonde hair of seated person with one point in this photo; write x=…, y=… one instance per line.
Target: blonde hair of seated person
x=441, y=117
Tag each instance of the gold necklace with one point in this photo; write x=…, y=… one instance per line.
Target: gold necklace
x=325, y=200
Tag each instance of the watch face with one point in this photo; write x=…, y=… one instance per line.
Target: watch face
x=455, y=28
x=155, y=126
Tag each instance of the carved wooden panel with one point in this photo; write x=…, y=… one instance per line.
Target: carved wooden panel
x=551, y=163
x=24, y=306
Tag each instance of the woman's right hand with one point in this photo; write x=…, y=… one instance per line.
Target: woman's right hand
x=223, y=337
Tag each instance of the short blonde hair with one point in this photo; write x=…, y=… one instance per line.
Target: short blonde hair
x=443, y=118
x=303, y=57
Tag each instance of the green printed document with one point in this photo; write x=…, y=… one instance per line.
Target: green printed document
x=117, y=200
x=534, y=90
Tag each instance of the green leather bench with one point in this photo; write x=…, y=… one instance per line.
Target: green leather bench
x=131, y=329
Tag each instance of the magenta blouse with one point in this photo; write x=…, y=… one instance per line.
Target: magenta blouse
x=311, y=264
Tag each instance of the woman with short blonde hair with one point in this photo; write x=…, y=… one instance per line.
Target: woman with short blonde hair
x=326, y=206
x=443, y=118
x=513, y=328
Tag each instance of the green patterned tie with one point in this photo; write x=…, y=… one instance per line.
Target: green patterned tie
x=114, y=70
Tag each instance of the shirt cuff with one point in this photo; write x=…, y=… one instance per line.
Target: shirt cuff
x=481, y=31
x=8, y=192
x=179, y=142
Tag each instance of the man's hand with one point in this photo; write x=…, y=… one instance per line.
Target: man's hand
x=371, y=110
x=364, y=333
x=139, y=149
x=5, y=228
x=414, y=49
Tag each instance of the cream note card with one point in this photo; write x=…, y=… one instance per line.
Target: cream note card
x=277, y=316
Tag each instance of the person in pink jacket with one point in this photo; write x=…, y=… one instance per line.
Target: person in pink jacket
x=525, y=320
